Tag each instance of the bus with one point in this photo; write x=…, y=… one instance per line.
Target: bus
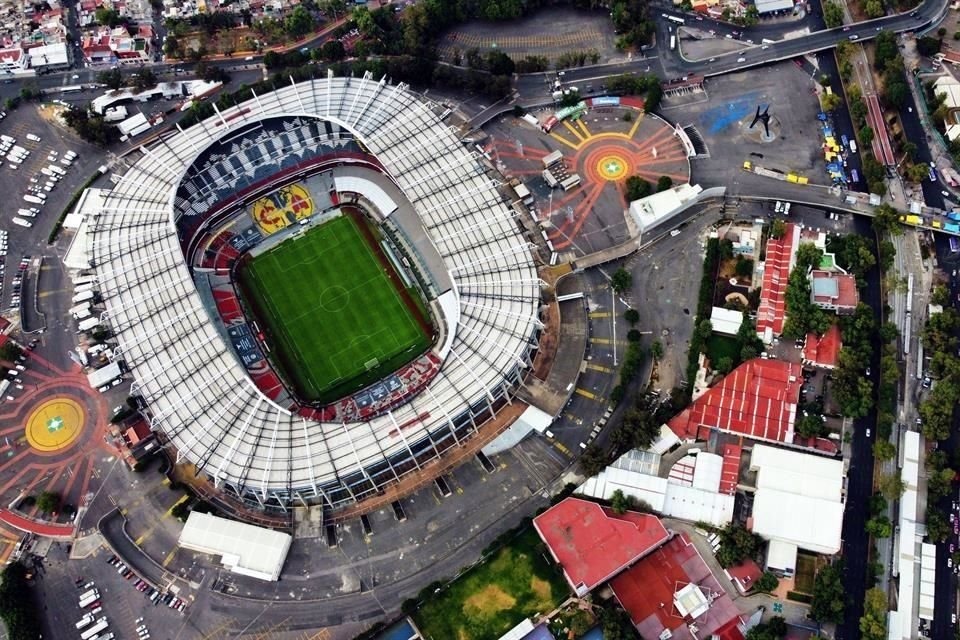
x=854, y=176
x=673, y=42
x=674, y=19
x=71, y=88
x=954, y=244
x=95, y=629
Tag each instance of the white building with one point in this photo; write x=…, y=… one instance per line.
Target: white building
x=657, y=208
x=726, y=321
x=244, y=548
x=798, y=504
x=690, y=492
x=49, y=57
x=914, y=561
x=13, y=60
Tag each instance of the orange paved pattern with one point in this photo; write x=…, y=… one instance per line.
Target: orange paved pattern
x=51, y=434
x=648, y=149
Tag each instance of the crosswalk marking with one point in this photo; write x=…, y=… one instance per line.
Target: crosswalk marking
x=599, y=367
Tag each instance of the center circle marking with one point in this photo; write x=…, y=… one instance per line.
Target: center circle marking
x=55, y=424
x=334, y=298
x=611, y=167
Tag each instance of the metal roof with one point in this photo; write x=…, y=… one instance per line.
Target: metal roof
x=199, y=394
x=245, y=549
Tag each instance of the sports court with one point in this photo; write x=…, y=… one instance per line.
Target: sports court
x=334, y=317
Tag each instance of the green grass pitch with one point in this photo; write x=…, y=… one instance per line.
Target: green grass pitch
x=333, y=318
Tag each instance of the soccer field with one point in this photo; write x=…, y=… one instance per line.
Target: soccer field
x=334, y=319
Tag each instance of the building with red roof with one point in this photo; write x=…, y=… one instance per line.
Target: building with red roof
x=672, y=593
x=13, y=60
x=744, y=575
x=834, y=291
x=823, y=351
x=593, y=544
x=758, y=400
x=730, y=471
x=780, y=258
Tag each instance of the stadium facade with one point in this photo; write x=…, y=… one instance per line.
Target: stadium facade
x=451, y=220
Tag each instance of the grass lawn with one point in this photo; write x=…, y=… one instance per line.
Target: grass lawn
x=806, y=572
x=335, y=320
x=492, y=598
x=723, y=347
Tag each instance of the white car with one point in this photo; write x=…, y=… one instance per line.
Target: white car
x=945, y=194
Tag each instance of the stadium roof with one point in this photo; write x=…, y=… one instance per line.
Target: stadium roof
x=799, y=498
x=673, y=589
x=244, y=548
x=758, y=399
x=199, y=394
x=592, y=543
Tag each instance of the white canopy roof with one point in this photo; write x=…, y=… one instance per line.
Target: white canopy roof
x=244, y=548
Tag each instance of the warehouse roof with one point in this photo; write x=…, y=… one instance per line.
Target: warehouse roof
x=593, y=544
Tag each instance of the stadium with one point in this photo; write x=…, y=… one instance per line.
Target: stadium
x=319, y=292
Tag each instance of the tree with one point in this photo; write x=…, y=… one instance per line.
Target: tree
x=918, y=172
x=621, y=280
x=886, y=49
x=632, y=316
x=831, y=101
x=107, y=17
x=884, y=450
x=620, y=502
x=593, y=460
x=767, y=582
x=10, y=351
x=879, y=526
x=891, y=485
x=143, y=80
x=48, y=501
x=664, y=183
x=829, y=597
x=928, y=46
x=873, y=624
x=910, y=149
x=299, y=23
x=778, y=229
x=744, y=266
x=938, y=529
x=736, y=544
x=637, y=188
x=866, y=135
x=111, y=78
x=832, y=14
x=810, y=426
x=16, y=606
x=656, y=350
x=332, y=51
x=886, y=219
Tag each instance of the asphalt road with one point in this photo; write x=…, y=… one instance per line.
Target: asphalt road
x=913, y=130
x=859, y=478
x=945, y=593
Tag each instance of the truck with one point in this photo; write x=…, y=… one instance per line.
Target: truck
x=853, y=146
x=952, y=227
x=88, y=324
x=954, y=215
x=26, y=213
x=84, y=621
x=83, y=296
x=90, y=592
x=34, y=199
x=57, y=170
x=95, y=629
x=22, y=223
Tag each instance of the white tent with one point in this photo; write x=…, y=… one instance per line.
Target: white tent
x=244, y=548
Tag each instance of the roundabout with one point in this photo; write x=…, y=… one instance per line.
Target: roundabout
x=55, y=424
